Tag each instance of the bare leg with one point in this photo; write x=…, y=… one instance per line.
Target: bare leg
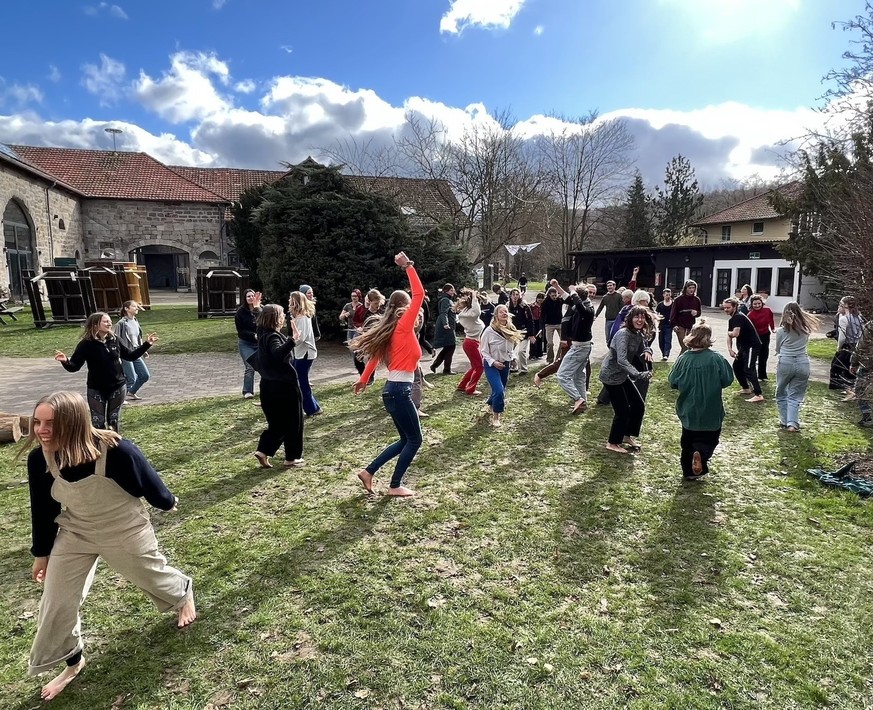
x=54, y=687
x=366, y=479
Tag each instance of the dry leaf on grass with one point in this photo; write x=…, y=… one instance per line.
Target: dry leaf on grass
x=436, y=602
x=220, y=700
x=362, y=693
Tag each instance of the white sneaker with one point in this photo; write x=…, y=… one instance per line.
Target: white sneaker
x=248, y=395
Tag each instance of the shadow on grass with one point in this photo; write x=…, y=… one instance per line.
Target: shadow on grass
x=139, y=661
x=685, y=557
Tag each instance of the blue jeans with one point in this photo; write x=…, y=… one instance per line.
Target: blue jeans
x=497, y=379
x=665, y=339
x=792, y=380
x=397, y=398
x=571, y=373
x=246, y=350
x=136, y=373
x=310, y=404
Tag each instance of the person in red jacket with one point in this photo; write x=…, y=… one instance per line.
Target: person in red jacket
x=394, y=342
x=762, y=319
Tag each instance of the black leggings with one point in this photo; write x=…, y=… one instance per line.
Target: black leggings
x=703, y=442
x=629, y=408
x=106, y=407
x=283, y=409
x=444, y=359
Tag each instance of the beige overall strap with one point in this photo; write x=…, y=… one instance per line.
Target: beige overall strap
x=100, y=464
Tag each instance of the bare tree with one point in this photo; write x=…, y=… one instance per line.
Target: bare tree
x=491, y=172
x=585, y=164
x=364, y=156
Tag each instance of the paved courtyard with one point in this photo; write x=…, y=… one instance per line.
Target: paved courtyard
x=175, y=377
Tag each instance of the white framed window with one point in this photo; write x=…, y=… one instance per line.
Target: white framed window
x=726, y=233
x=757, y=227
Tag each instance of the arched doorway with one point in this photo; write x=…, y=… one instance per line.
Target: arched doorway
x=20, y=252
x=167, y=267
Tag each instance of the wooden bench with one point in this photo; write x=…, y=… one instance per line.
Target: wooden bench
x=7, y=311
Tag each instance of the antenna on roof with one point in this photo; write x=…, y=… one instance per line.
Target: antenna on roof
x=114, y=132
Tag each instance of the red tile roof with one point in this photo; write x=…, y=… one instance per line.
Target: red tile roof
x=753, y=209
x=230, y=183
x=116, y=175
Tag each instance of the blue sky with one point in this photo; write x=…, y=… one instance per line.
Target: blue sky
x=253, y=82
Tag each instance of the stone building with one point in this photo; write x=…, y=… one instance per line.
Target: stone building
x=64, y=203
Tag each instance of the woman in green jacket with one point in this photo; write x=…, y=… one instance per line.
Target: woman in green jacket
x=700, y=374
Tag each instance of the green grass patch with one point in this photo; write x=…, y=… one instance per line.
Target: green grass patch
x=823, y=348
x=178, y=328
x=533, y=570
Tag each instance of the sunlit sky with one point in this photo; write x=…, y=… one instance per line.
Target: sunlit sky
x=251, y=83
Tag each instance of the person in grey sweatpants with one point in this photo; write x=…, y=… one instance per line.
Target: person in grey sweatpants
x=571, y=373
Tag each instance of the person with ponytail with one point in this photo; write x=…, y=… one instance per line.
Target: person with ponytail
x=393, y=342
x=792, y=367
x=86, y=486
x=497, y=346
x=469, y=310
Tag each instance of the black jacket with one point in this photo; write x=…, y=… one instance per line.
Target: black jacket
x=245, y=323
x=581, y=319
x=276, y=355
x=104, y=362
x=522, y=318
x=552, y=311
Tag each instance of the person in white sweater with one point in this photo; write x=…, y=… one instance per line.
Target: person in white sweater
x=469, y=310
x=305, y=351
x=496, y=345
x=792, y=368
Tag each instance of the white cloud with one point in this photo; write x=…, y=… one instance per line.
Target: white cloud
x=186, y=92
x=19, y=95
x=115, y=11
x=105, y=81
x=54, y=74
x=485, y=13
x=296, y=116
x=538, y=30
x=287, y=48
x=218, y=4
x=246, y=86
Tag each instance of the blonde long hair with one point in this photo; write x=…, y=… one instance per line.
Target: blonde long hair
x=795, y=319
x=508, y=331
x=74, y=438
x=375, y=341
x=299, y=305
x=92, y=324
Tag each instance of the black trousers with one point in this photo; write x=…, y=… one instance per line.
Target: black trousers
x=628, y=409
x=763, y=355
x=106, y=408
x=444, y=359
x=283, y=409
x=746, y=368
x=703, y=442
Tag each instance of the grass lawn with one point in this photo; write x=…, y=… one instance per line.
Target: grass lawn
x=823, y=348
x=533, y=570
x=177, y=326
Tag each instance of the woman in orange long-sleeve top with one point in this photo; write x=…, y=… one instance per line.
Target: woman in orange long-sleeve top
x=393, y=341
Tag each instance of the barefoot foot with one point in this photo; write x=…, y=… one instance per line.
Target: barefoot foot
x=187, y=612
x=756, y=398
x=54, y=687
x=401, y=492
x=366, y=479
x=263, y=459
x=537, y=381
x=696, y=464
x=617, y=449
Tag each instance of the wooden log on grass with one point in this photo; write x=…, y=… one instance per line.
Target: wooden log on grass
x=10, y=429
x=23, y=421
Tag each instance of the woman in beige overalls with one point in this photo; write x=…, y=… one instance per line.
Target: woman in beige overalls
x=85, y=490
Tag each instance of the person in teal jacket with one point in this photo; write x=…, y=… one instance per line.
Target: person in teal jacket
x=700, y=374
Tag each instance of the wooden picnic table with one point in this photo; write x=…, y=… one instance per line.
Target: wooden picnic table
x=5, y=310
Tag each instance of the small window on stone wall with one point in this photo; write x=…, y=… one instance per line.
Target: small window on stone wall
x=61, y=224
x=208, y=256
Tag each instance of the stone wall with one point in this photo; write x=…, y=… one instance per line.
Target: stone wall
x=130, y=224
x=29, y=191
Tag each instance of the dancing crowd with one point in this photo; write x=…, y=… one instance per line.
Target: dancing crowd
x=86, y=482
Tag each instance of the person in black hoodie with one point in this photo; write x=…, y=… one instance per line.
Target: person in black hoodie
x=522, y=319
x=246, y=330
x=102, y=351
x=280, y=389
